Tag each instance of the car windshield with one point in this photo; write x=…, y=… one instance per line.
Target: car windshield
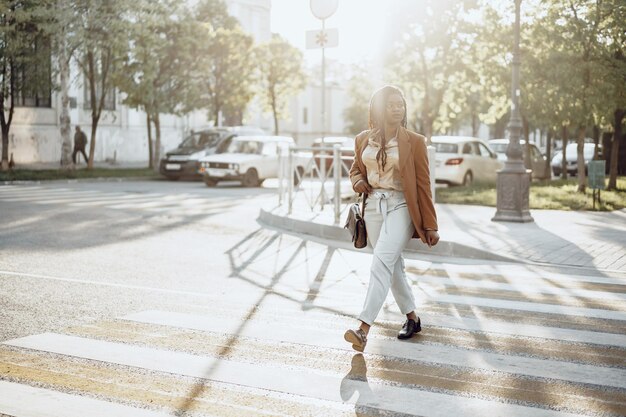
x=246, y=146
x=201, y=140
x=499, y=147
x=446, y=147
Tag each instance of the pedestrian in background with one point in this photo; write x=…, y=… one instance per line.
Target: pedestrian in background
x=80, y=143
x=391, y=167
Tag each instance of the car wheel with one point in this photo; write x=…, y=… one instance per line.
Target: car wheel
x=210, y=182
x=468, y=178
x=250, y=178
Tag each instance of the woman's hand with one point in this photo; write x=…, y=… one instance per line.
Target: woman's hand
x=432, y=237
x=362, y=187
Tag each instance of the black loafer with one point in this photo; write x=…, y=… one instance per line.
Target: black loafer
x=409, y=328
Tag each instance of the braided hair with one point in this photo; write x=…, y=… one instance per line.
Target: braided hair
x=376, y=119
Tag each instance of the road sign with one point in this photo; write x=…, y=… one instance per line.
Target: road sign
x=327, y=38
x=596, y=170
x=323, y=9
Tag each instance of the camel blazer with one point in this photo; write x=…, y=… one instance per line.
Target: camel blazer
x=414, y=173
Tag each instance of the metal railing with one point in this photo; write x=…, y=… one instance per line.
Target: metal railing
x=304, y=171
x=314, y=173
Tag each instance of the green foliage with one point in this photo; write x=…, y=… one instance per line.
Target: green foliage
x=25, y=50
x=221, y=75
x=151, y=74
x=280, y=75
x=359, y=90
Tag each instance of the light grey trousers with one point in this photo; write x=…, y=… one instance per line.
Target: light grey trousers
x=389, y=229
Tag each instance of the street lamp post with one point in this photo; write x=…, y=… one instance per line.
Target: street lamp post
x=513, y=181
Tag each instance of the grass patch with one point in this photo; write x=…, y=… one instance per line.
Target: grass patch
x=552, y=195
x=59, y=174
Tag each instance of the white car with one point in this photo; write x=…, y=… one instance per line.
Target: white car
x=537, y=159
x=249, y=159
x=462, y=160
x=571, y=152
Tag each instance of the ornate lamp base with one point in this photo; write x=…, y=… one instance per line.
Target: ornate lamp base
x=512, y=197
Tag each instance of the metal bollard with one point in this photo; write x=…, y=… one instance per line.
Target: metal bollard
x=290, y=179
x=281, y=174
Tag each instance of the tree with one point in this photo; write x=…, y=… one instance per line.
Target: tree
x=64, y=45
x=612, y=82
x=359, y=91
x=221, y=77
x=152, y=75
x=25, y=64
x=280, y=75
x=100, y=29
x=428, y=59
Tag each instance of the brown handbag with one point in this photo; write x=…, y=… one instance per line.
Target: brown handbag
x=356, y=223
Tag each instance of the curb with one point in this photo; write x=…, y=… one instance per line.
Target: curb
x=337, y=233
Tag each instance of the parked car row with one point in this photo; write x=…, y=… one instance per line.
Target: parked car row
x=249, y=155
x=237, y=153
x=184, y=160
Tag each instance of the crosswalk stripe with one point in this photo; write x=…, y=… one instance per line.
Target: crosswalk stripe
x=285, y=379
x=448, y=355
x=526, y=287
x=526, y=306
x=431, y=318
x=42, y=198
x=21, y=400
x=499, y=323
x=512, y=273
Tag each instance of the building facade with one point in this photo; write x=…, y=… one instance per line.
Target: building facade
x=122, y=134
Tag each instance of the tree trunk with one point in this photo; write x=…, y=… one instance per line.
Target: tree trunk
x=274, y=112
x=95, y=116
x=5, y=124
x=582, y=178
x=615, y=148
x=150, y=150
x=64, y=117
x=157, y=144
x=596, y=141
x=5, y=148
x=564, y=161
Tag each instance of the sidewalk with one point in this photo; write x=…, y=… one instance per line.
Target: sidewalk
x=562, y=238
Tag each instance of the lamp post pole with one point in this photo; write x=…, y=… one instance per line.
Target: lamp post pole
x=513, y=182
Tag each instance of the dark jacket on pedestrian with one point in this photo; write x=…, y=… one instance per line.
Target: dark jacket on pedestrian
x=80, y=140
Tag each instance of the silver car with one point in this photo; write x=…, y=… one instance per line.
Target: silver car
x=538, y=161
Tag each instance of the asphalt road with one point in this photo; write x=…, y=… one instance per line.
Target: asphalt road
x=169, y=298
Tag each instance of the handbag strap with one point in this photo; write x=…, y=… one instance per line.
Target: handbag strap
x=364, y=197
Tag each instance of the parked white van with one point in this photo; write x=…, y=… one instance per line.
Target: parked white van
x=249, y=159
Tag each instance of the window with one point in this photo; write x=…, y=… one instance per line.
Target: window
x=483, y=150
x=468, y=149
x=33, y=79
x=109, y=100
x=445, y=147
x=269, y=149
x=305, y=115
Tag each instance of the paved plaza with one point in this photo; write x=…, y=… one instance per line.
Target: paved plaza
x=155, y=298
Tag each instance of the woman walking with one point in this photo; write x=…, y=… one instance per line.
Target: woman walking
x=391, y=167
